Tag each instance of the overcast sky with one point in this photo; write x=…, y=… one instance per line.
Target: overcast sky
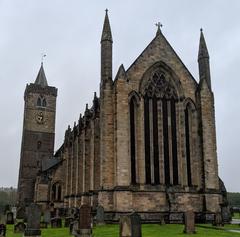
x=69, y=32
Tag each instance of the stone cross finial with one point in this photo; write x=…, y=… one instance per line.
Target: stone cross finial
x=43, y=56
x=106, y=10
x=159, y=25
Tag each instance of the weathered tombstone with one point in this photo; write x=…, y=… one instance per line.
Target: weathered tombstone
x=56, y=222
x=130, y=226
x=74, y=228
x=85, y=222
x=14, y=211
x=46, y=219
x=162, y=220
x=2, y=230
x=189, y=221
x=100, y=216
x=33, y=221
x=21, y=213
x=218, y=219
x=10, y=219
x=68, y=221
x=19, y=227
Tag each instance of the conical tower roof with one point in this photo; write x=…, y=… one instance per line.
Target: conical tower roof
x=106, y=32
x=203, y=51
x=41, y=77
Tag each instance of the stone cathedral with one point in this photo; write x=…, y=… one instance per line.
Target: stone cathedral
x=146, y=144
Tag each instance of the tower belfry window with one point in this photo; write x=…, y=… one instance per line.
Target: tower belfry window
x=41, y=102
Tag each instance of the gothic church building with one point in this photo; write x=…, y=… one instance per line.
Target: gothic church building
x=146, y=144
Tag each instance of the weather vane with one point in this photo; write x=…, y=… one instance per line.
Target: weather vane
x=43, y=56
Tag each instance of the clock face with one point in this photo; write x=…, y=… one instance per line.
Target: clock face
x=40, y=118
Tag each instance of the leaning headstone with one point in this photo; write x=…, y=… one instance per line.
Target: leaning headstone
x=33, y=221
x=19, y=227
x=85, y=222
x=218, y=219
x=189, y=221
x=100, y=216
x=10, y=218
x=130, y=226
x=162, y=220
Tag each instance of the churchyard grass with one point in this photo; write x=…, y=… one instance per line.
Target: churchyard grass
x=236, y=215
x=148, y=230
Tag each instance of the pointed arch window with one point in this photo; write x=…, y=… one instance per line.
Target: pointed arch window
x=160, y=126
x=41, y=102
x=133, y=139
x=44, y=103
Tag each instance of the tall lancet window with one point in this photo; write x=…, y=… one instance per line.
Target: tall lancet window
x=160, y=127
x=188, y=143
x=133, y=139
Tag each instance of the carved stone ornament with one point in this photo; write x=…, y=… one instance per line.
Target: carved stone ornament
x=158, y=85
x=40, y=119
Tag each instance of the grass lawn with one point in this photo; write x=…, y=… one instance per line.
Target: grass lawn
x=148, y=230
x=236, y=215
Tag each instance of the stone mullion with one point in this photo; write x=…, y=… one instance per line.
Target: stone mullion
x=151, y=140
x=160, y=142
x=170, y=141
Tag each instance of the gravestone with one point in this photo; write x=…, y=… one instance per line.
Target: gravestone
x=218, y=219
x=46, y=219
x=68, y=221
x=85, y=222
x=189, y=221
x=19, y=227
x=56, y=222
x=74, y=228
x=10, y=218
x=3, y=230
x=130, y=226
x=100, y=216
x=14, y=211
x=162, y=220
x=47, y=216
x=33, y=221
